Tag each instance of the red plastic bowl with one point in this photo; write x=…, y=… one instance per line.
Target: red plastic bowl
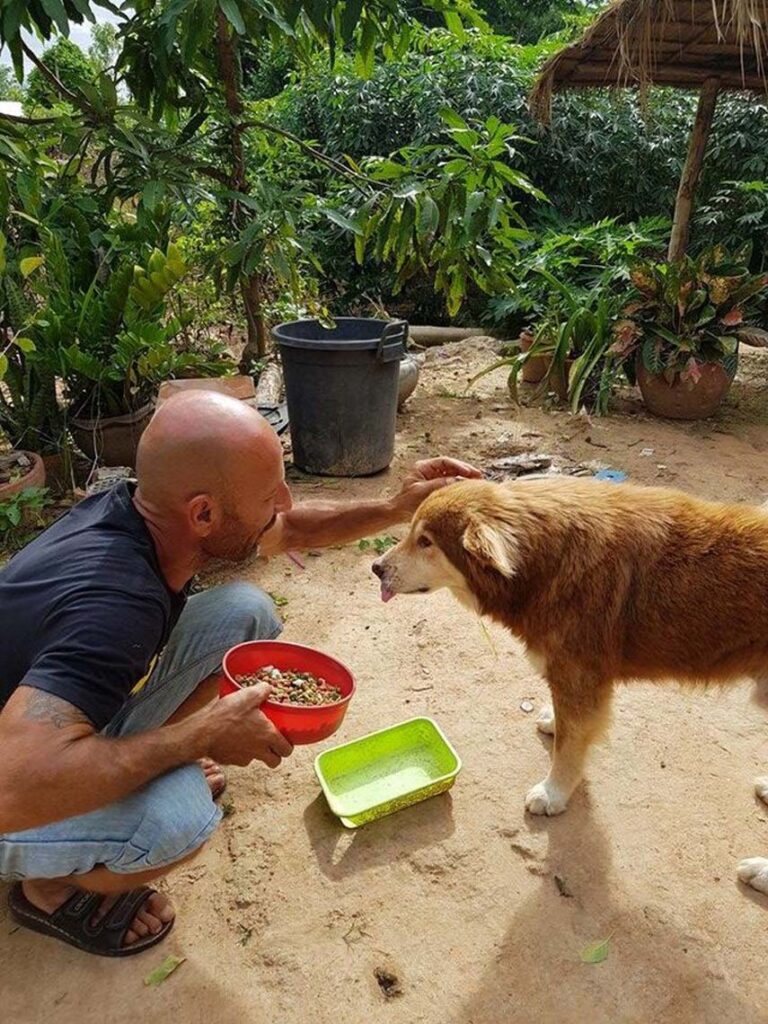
x=298, y=724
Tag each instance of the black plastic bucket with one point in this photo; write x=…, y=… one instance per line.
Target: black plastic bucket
x=341, y=387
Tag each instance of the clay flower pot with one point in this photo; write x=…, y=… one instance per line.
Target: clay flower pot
x=34, y=477
x=536, y=368
x=685, y=400
x=112, y=440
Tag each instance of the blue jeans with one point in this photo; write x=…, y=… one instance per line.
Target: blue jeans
x=172, y=816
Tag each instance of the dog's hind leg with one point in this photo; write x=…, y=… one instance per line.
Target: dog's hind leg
x=761, y=788
x=546, y=721
x=754, y=871
x=760, y=693
x=581, y=716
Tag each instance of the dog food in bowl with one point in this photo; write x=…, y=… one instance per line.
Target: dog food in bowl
x=298, y=721
x=288, y=687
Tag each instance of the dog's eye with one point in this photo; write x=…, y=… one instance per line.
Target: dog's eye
x=424, y=541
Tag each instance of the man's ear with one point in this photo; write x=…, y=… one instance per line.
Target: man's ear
x=492, y=542
x=203, y=514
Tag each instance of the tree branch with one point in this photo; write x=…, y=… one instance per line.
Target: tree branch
x=56, y=82
x=212, y=172
x=32, y=121
x=317, y=154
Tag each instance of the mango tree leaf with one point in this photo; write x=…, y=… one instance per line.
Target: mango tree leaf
x=451, y=118
x=454, y=25
x=429, y=217
x=152, y=194
x=366, y=51
x=30, y=264
x=342, y=221
x=596, y=952
x=350, y=16
x=233, y=15
x=55, y=10
x=3, y=365
x=167, y=967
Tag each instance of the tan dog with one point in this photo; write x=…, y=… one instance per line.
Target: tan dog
x=604, y=583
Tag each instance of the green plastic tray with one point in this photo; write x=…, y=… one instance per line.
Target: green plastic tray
x=386, y=771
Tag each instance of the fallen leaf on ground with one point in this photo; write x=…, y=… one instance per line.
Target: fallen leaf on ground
x=167, y=967
x=596, y=952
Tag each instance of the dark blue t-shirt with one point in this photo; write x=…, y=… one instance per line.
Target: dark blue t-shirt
x=84, y=608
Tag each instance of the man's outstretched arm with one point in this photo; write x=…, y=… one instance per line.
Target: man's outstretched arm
x=318, y=524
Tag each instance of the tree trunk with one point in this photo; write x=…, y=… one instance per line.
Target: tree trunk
x=689, y=179
x=257, y=342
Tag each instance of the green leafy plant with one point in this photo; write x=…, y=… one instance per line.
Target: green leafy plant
x=117, y=339
x=71, y=67
x=379, y=544
x=583, y=258
x=575, y=338
x=447, y=209
x=30, y=412
x=22, y=515
x=738, y=210
x=689, y=313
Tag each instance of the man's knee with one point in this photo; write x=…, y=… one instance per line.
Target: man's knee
x=159, y=825
x=178, y=816
x=242, y=610
x=252, y=609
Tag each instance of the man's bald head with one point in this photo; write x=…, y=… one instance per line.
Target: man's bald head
x=214, y=464
x=202, y=441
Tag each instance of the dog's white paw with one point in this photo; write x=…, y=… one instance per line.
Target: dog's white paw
x=546, y=721
x=754, y=871
x=545, y=798
x=761, y=788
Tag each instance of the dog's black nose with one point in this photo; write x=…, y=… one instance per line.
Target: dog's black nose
x=378, y=569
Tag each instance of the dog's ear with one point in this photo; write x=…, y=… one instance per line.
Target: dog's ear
x=491, y=541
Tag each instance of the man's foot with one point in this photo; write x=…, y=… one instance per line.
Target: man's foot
x=150, y=919
x=215, y=776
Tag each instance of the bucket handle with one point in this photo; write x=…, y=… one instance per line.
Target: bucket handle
x=393, y=341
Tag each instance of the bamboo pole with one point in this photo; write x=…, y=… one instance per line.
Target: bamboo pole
x=689, y=179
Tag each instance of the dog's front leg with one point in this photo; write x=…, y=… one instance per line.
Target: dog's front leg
x=581, y=715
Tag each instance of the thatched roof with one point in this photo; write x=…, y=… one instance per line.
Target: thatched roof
x=664, y=42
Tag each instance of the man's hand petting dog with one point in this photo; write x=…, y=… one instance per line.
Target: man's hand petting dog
x=239, y=732
x=430, y=475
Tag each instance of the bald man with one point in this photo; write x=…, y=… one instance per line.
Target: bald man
x=110, y=757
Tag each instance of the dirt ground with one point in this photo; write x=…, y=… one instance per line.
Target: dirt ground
x=478, y=910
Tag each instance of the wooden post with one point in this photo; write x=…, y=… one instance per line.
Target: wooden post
x=689, y=179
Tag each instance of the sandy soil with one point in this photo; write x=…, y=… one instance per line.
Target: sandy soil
x=478, y=910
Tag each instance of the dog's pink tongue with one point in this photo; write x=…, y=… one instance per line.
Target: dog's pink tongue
x=386, y=593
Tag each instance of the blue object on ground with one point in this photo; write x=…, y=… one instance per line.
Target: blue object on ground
x=613, y=476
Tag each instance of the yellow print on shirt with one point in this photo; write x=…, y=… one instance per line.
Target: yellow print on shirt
x=143, y=681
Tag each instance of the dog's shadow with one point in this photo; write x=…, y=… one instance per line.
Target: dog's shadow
x=342, y=852
x=650, y=973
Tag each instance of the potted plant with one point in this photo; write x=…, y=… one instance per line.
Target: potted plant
x=115, y=341
x=682, y=330
x=572, y=343
x=19, y=471
x=31, y=414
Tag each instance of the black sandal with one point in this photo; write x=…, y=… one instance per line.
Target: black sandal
x=72, y=921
